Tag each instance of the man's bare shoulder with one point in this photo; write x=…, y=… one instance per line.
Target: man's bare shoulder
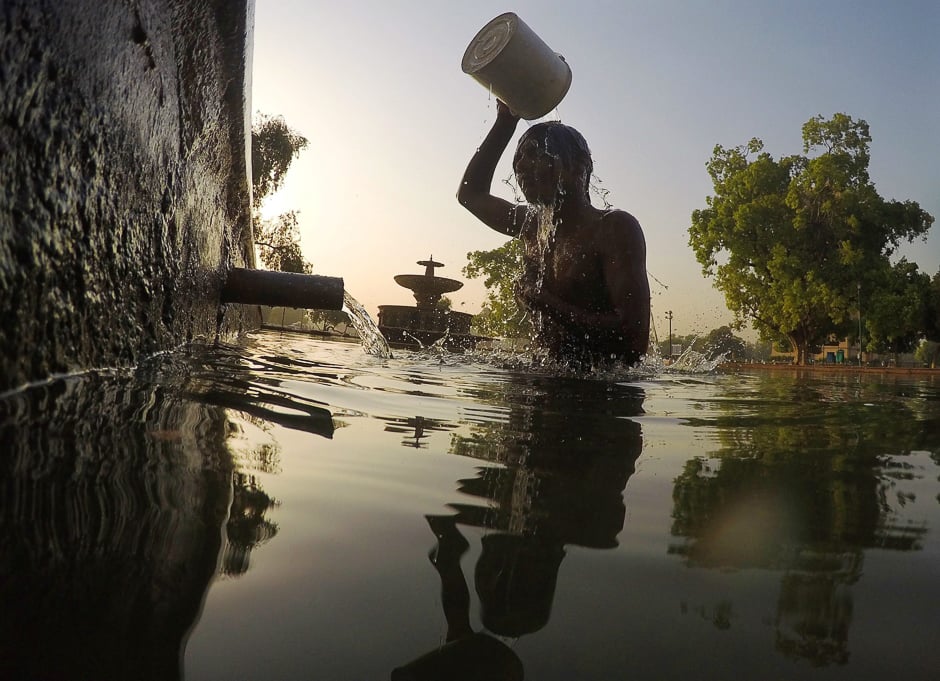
x=619, y=218
x=619, y=225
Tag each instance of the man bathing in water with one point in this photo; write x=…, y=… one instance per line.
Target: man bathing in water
x=585, y=286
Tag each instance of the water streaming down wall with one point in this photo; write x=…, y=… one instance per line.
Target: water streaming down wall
x=124, y=178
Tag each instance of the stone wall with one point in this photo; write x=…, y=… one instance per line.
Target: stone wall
x=124, y=178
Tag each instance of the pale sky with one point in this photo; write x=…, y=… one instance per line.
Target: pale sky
x=376, y=86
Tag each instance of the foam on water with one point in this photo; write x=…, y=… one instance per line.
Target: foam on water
x=534, y=360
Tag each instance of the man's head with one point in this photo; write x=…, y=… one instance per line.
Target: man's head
x=552, y=157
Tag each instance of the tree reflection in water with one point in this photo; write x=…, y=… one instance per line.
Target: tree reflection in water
x=802, y=485
x=248, y=526
x=564, y=456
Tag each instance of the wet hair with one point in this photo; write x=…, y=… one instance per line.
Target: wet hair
x=564, y=143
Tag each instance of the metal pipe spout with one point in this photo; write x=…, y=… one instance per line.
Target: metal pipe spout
x=283, y=289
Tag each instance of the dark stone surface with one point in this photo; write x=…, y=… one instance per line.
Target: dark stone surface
x=408, y=326
x=124, y=178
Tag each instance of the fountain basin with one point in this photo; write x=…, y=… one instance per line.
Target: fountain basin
x=409, y=326
x=426, y=284
x=427, y=323
x=426, y=288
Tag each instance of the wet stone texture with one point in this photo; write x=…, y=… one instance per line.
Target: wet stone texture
x=124, y=190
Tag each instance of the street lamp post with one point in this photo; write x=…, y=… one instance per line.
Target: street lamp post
x=669, y=317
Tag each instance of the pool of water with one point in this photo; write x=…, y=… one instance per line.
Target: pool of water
x=294, y=509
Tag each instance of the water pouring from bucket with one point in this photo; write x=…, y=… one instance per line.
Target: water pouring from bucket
x=509, y=59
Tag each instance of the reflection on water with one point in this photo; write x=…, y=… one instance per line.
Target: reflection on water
x=297, y=508
x=803, y=487
x=247, y=526
x=566, y=449
x=415, y=430
x=114, y=490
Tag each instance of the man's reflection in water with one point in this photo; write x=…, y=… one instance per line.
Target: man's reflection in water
x=567, y=451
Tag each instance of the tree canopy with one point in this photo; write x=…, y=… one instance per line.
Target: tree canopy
x=278, y=243
x=789, y=241
x=929, y=350
x=933, y=309
x=898, y=316
x=273, y=147
x=501, y=267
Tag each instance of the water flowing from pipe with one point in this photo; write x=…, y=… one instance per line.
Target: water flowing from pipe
x=372, y=339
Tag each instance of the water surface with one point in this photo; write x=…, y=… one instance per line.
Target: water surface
x=295, y=509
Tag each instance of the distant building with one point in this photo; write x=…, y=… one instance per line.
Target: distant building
x=836, y=352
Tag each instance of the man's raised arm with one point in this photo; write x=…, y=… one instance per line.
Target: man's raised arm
x=474, y=193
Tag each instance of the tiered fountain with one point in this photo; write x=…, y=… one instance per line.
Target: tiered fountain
x=426, y=323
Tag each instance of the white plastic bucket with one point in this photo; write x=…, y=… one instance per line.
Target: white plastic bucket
x=509, y=59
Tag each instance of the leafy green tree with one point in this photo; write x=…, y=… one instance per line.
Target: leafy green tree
x=788, y=240
x=329, y=320
x=273, y=147
x=928, y=351
x=896, y=317
x=759, y=351
x=279, y=243
x=501, y=268
x=932, y=330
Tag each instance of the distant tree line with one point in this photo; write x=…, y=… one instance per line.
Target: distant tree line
x=716, y=343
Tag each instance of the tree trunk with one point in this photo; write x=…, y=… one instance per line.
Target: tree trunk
x=799, y=348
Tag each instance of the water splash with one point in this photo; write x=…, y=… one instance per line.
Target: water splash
x=600, y=192
x=525, y=357
x=545, y=238
x=689, y=362
x=372, y=339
